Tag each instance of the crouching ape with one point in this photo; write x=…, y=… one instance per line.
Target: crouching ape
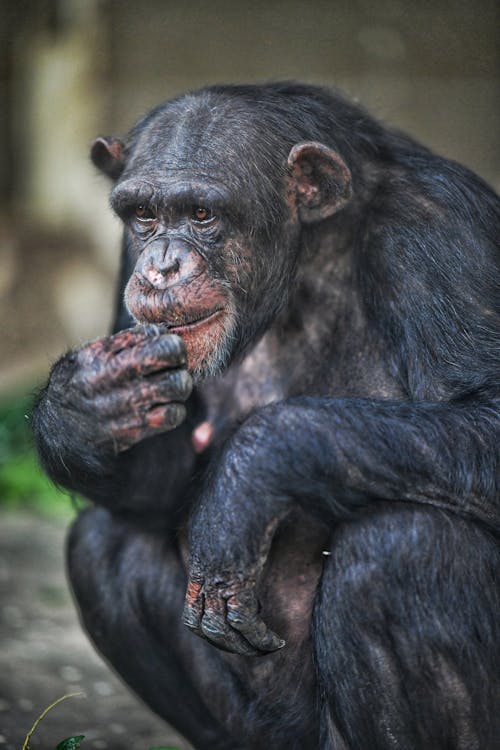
x=322, y=506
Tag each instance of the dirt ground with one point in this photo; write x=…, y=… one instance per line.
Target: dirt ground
x=44, y=654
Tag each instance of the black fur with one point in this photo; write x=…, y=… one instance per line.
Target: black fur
x=352, y=488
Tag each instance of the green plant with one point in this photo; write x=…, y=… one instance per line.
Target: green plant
x=70, y=743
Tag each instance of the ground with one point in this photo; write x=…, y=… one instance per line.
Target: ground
x=44, y=654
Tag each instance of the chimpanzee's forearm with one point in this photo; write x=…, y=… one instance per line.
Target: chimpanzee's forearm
x=346, y=453
x=338, y=455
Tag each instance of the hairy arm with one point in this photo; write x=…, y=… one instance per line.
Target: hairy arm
x=103, y=424
x=333, y=457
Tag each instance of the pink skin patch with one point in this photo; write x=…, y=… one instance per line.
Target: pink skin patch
x=202, y=437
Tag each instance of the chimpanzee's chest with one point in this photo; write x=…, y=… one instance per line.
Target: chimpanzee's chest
x=272, y=372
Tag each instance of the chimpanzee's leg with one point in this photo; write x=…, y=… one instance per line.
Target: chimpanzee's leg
x=407, y=626
x=130, y=584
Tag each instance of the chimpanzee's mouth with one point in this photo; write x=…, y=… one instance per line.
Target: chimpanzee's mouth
x=196, y=323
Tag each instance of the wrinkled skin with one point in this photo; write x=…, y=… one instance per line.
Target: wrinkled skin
x=137, y=380
x=321, y=507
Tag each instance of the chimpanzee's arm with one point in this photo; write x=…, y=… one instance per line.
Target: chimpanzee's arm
x=102, y=424
x=332, y=457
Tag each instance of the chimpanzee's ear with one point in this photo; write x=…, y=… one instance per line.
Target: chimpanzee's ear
x=107, y=153
x=319, y=179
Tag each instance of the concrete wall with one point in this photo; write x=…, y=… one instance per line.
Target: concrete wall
x=74, y=68
x=430, y=67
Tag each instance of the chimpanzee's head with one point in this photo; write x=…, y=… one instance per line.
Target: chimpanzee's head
x=214, y=189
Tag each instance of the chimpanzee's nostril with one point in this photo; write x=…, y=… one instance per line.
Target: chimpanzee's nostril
x=168, y=265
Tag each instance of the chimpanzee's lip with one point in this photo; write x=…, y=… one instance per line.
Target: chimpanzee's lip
x=193, y=325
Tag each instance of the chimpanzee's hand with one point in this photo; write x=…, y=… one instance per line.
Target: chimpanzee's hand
x=223, y=609
x=231, y=535
x=120, y=389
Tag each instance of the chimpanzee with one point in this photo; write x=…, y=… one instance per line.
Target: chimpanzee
x=322, y=507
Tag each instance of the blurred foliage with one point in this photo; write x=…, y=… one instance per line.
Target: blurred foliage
x=23, y=485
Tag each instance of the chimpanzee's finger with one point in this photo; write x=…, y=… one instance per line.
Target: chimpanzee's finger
x=98, y=350
x=162, y=388
x=230, y=624
x=242, y=616
x=131, y=337
x=215, y=629
x=102, y=365
x=128, y=430
x=164, y=417
x=206, y=617
x=135, y=400
x=147, y=357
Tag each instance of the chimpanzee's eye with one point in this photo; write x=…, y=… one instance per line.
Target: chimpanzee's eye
x=202, y=215
x=144, y=213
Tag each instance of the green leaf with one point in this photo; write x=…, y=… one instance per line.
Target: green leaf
x=71, y=743
x=163, y=748
x=26, y=745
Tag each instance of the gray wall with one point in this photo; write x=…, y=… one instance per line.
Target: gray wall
x=430, y=67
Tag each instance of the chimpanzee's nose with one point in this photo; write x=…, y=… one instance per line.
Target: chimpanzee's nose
x=168, y=263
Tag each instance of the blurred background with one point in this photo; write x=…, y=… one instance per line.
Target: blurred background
x=72, y=69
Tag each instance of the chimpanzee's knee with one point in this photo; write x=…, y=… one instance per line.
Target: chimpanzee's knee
x=407, y=627
x=129, y=583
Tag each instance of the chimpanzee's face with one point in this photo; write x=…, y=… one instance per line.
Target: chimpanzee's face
x=191, y=261
x=212, y=213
